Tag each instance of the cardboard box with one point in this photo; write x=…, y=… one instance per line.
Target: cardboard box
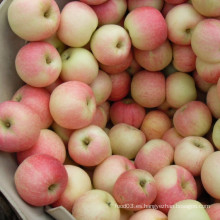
x=9, y=83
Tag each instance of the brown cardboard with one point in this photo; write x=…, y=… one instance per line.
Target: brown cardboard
x=9, y=83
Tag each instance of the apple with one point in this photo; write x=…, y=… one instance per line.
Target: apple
x=210, y=28
x=38, y=100
x=121, y=83
x=154, y=60
x=77, y=24
x=166, y=8
x=135, y=189
x=19, y=126
x=175, y=2
x=134, y=67
x=167, y=108
x=147, y=28
x=112, y=167
x=184, y=59
x=148, y=88
x=100, y=118
x=212, y=100
x=208, y=8
x=132, y=4
x=151, y=214
x=93, y=2
x=127, y=111
x=110, y=44
x=210, y=168
x=37, y=21
x=180, y=89
x=208, y=71
x=53, y=85
x=215, y=134
x=101, y=87
x=40, y=179
x=38, y=64
x=154, y=155
x=191, y=152
x=214, y=211
x=126, y=140
x=110, y=12
x=95, y=203
x=89, y=146
x=174, y=183
x=172, y=137
x=188, y=209
x=48, y=143
x=106, y=107
x=72, y=105
x=181, y=21
x=79, y=64
x=193, y=119
x=155, y=124
x=121, y=67
x=125, y=214
x=78, y=183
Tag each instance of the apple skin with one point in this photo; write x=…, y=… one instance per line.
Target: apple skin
x=126, y=140
x=101, y=87
x=100, y=118
x=53, y=85
x=110, y=12
x=40, y=179
x=134, y=67
x=184, y=59
x=148, y=88
x=175, y=2
x=151, y=214
x=208, y=27
x=121, y=83
x=181, y=21
x=93, y=2
x=154, y=60
x=77, y=24
x=147, y=28
x=208, y=8
x=193, y=119
x=78, y=183
x=141, y=3
x=19, y=127
x=214, y=211
x=72, y=105
x=155, y=124
x=38, y=100
x=180, y=89
x=191, y=152
x=38, y=64
x=89, y=146
x=209, y=72
x=211, y=169
x=154, y=155
x=110, y=44
x=135, y=189
x=34, y=20
x=172, y=137
x=96, y=203
x=174, y=183
x=112, y=167
x=127, y=111
x=48, y=143
x=125, y=214
x=215, y=134
x=79, y=64
x=212, y=100
x=188, y=209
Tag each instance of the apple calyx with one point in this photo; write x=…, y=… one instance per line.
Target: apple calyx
x=86, y=141
x=52, y=187
x=6, y=123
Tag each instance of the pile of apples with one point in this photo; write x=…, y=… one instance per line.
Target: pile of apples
x=119, y=114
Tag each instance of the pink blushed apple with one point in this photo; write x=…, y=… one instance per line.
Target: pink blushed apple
x=40, y=179
x=93, y=2
x=38, y=64
x=174, y=183
x=132, y=4
x=214, y=211
x=38, y=100
x=19, y=127
x=112, y=167
x=100, y=117
x=135, y=189
x=72, y=104
x=48, y=143
x=89, y=146
x=148, y=88
x=34, y=20
x=154, y=155
x=147, y=28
